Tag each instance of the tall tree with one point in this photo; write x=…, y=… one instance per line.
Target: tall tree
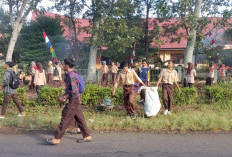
x=116, y=26
x=72, y=9
x=95, y=10
x=18, y=10
x=31, y=45
x=190, y=14
x=192, y=33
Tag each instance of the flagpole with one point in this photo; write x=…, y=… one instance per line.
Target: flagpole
x=132, y=56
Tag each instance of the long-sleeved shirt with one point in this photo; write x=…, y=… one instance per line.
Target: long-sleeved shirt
x=7, y=78
x=145, y=74
x=127, y=78
x=72, y=85
x=40, y=78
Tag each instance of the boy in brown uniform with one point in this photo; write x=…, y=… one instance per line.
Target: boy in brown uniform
x=114, y=70
x=104, y=71
x=127, y=78
x=168, y=77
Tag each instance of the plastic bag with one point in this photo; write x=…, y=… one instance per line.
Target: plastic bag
x=152, y=103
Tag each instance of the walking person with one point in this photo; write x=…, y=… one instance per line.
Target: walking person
x=32, y=71
x=114, y=70
x=222, y=73
x=190, y=75
x=210, y=76
x=145, y=77
x=10, y=91
x=40, y=78
x=50, y=73
x=104, y=71
x=139, y=67
x=168, y=77
x=127, y=78
x=72, y=109
x=57, y=75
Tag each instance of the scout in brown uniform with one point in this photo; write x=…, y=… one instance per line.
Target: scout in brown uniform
x=127, y=78
x=168, y=77
x=104, y=71
x=114, y=70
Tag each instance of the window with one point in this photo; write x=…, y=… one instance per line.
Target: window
x=178, y=58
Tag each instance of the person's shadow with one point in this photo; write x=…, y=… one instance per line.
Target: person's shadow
x=40, y=138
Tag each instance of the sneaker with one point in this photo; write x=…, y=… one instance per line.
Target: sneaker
x=133, y=116
x=165, y=112
x=21, y=115
x=2, y=117
x=169, y=112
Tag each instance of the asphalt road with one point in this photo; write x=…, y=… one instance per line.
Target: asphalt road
x=119, y=145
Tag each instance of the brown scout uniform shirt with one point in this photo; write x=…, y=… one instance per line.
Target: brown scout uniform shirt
x=128, y=78
x=168, y=76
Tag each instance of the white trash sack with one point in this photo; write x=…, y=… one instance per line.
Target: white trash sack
x=152, y=103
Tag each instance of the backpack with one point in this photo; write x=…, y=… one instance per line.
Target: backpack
x=14, y=80
x=55, y=72
x=81, y=83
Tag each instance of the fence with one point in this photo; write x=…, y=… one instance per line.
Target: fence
x=154, y=74
x=201, y=74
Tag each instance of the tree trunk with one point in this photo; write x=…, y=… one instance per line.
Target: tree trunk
x=146, y=29
x=16, y=29
x=192, y=35
x=91, y=76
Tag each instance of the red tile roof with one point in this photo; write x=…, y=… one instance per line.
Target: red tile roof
x=166, y=41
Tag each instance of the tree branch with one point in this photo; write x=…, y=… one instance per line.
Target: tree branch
x=32, y=6
x=11, y=13
x=20, y=13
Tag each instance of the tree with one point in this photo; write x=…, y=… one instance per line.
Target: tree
x=116, y=25
x=192, y=33
x=5, y=30
x=31, y=45
x=72, y=9
x=18, y=11
x=95, y=10
x=193, y=17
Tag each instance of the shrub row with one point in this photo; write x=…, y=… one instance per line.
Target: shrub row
x=186, y=97
x=219, y=95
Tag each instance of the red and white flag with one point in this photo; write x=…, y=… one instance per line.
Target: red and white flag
x=213, y=43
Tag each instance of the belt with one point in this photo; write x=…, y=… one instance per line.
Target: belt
x=167, y=84
x=128, y=85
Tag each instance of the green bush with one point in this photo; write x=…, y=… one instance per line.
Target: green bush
x=22, y=97
x=48, y=96
x=95, y=95
x=186, y=97
x=220, y=95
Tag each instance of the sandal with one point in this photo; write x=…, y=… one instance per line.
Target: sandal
x=83, y=141
x=50, y=141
